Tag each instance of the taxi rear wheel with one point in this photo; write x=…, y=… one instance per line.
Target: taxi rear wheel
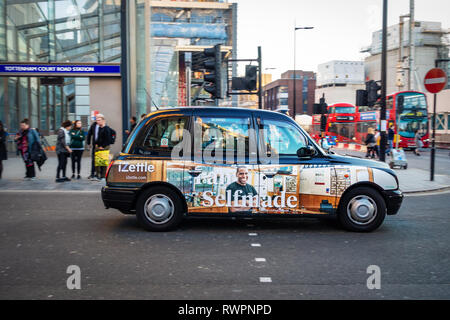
x=159, y=209
x=362, y=210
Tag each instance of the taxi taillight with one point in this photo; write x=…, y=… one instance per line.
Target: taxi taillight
x=107, y=170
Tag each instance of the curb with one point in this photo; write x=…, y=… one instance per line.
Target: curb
x=427, y=191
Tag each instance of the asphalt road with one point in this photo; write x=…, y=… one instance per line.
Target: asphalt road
x=41, y=234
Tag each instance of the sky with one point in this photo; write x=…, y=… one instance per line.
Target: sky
x=341, y=29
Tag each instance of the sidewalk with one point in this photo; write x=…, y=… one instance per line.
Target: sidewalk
x=14, y=172
x=417, y=180
x=411, y=180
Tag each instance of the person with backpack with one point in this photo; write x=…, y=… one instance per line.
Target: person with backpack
x=26, y=139
x=63, y=150
x=104, y=136
x=77, y=138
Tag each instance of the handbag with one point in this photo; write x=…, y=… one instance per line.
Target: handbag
x=102, y=158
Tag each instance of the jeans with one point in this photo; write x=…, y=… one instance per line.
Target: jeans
x=62, y=164
x=76, y=160
x=92, y=161
x=390, y=146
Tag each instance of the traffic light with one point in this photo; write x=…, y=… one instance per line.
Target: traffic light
x=249, y=82
x=373, y=94
x=213, y=74
x=321, y=107
x=323, y=123
x=361, y=98
x=250, y=77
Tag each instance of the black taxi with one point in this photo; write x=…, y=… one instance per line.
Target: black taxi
x=232, y=162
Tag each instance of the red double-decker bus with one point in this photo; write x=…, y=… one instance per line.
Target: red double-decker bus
x=341, y=122
x=407, y=110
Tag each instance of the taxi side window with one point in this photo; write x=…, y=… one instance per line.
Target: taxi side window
x=227, y=134
x=164, y=134
x=282, y=138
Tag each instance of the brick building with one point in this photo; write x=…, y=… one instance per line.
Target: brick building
x=279, y=94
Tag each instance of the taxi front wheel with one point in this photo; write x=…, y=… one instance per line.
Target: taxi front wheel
x=159, y=209
x=362, y=210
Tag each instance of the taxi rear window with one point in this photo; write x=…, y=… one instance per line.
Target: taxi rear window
x=163, y=135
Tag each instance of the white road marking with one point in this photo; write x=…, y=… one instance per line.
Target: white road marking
x=260, y=259
x=252, y=234
x=265, y=279
x=256, y=245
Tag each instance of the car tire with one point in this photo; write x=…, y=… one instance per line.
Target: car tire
x=362, y=210
x=159, y=209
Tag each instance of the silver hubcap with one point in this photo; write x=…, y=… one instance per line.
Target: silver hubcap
x=362, y=210
x=159, y=209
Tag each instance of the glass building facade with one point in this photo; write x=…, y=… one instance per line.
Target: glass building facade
x=52, y=31
x=154, y=41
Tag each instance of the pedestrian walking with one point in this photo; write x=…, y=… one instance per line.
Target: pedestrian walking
x=377, y=141
x=418, y=141
x=103, y=139
x=26, y=139
x=63, y=150
x=391, y=135
x=77, y=138
x=370, y=143
x=3, y=150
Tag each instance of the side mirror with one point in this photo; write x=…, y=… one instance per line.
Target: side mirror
x=306, y=152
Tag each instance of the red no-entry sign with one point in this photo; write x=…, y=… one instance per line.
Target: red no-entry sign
x=435, y=80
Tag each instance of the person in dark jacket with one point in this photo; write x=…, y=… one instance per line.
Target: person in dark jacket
x=3, y=151
x=102, y=141
x=370, y=143
x=390, y=138
x=77, y=145
x=133, y=122
x=90, y=143
x=26, y=138
x=63, y=150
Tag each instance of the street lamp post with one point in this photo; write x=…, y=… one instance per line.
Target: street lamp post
x=295, y=75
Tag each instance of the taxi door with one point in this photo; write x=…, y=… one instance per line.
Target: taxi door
x=221, y=175
x=289, y=184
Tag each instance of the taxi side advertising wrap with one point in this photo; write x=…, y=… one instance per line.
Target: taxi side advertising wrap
x=251, y=189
